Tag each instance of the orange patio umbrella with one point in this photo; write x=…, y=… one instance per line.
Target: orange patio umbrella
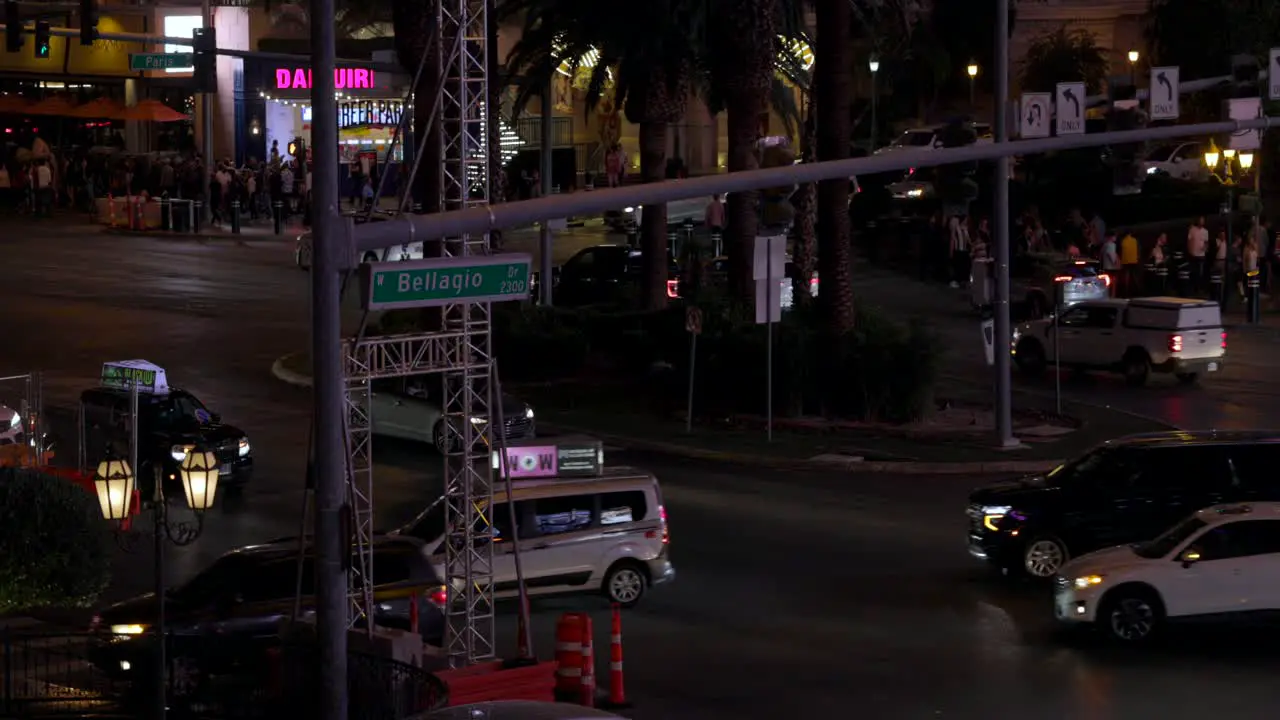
x=13, y=104
x=56, y=105
x=100, y=108
x=152, y=111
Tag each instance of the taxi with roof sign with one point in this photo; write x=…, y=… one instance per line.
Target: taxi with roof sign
x=171, y=423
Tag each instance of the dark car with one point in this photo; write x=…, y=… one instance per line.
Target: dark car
x=1124, y=491
x=247, y=592
x=605, y=274
x=170, y=424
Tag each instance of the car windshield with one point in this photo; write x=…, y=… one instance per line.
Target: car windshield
x=1079, y=470
x=429, y=525
x=1162, y=153
x=217, y=579
x=1170, y=540
x=914, y=138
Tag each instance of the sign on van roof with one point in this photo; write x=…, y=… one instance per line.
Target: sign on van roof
x=566, y=458
x=123, y=374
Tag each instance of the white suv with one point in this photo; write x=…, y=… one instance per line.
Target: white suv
x=1221, y=560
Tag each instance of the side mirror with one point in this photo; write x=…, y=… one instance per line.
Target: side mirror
x=1190, y=557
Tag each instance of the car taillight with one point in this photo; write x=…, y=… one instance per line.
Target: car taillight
x=1175, y=343
x=440, y=596
x=1062, y=278
x=1224, y=340
x=662, y=515
x=673, y=288
x=1106, y=279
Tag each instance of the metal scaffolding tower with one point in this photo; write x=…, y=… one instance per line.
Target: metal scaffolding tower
x=460, y=352
x=468, y=490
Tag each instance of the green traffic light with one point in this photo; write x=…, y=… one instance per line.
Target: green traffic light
x=42, y=51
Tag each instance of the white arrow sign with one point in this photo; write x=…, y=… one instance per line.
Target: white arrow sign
x=1034, y=117
x=1163, y=93
x=1069, y=108
x=1273, y=74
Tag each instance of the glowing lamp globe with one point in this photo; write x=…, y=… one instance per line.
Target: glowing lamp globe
x=200, y=479
x=114, y=483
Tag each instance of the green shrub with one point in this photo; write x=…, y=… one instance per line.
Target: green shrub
x=534, y=343
x=53, y=543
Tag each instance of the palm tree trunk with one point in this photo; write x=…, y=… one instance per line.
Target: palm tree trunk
x=806, y=213
x=833, y=92
x=741, y=215
x=415, y=25
x=653, y=220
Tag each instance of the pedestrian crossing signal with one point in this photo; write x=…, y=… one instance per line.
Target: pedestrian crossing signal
x=42, y=40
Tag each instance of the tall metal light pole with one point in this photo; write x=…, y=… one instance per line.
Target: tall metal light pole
x=874, y=66
x=1004, y=378
x=1133, y=66
x=206, y=119
x=545, y=235
x=326, y=353
x=972, y=70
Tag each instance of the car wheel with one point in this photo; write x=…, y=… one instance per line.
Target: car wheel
x=1043, y=557
x=369, y=258
x=438, y=439
x=1187, y=378
x=1130, y=616
x=625, y=584
x=1030, y=358
x=1137, y=366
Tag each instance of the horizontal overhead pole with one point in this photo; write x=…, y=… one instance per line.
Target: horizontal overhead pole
x=1186, y=87
x=417, y=228
x=300, y=60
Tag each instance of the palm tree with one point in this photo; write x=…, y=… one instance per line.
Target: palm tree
x=833, y=93
x=741, y=55
x=647, y=56
x=353, y=19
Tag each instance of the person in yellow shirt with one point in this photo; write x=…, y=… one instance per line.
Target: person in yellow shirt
x=1129, y=264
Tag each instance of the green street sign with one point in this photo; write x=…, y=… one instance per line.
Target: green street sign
x=443, y=281
x=160, y=61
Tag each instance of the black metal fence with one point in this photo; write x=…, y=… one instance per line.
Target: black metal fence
x=207, y=677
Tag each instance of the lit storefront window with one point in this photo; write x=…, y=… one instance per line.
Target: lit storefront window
x=181, y=26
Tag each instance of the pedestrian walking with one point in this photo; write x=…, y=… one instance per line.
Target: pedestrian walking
x=1197, y=246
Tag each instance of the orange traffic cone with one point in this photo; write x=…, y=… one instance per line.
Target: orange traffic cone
x=569, y=631
x=617, y=690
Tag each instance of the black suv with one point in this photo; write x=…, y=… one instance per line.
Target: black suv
x=1123, y=491
x=605, y=275
x=246, y=594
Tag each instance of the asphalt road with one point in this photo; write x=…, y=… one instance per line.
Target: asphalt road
x=799, y=594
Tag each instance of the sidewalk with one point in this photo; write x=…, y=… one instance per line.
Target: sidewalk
x=609, y=414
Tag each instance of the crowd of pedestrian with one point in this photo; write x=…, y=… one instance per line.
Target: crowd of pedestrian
x=1198, y=264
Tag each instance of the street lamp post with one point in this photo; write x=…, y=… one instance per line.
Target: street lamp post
x=1229, y=158
x=874, y=65
x=1133, y=66
x=114, y=483
x=973, y=77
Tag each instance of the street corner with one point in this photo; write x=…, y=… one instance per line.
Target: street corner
x=677, y=449
x=293, y=369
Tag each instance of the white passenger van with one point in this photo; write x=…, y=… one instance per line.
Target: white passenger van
x=580, y=529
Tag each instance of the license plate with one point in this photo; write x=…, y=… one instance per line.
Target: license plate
x=1213, y=367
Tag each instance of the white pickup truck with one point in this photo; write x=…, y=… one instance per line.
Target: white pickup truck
x=1136, y=337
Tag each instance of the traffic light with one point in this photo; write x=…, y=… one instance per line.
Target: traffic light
x=955, y=185
x=776, y=210
x=43, y=38
x=88, y=21
x=205, y=61
x=1245, y=76
x=12, y=26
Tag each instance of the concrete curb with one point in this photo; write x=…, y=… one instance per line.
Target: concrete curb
x=199, y=237
x=285, y=375
x=841, y=462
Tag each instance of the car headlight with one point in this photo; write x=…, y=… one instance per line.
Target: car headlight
x=528, y=413
x=628, y=210
x=15, y=421
x=1152, y=170
x=915, y=192
x=128, y=629
x=179, y=452
x=478, y=420
x=992, y=514
x=1087, y=581
x=245, y=448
